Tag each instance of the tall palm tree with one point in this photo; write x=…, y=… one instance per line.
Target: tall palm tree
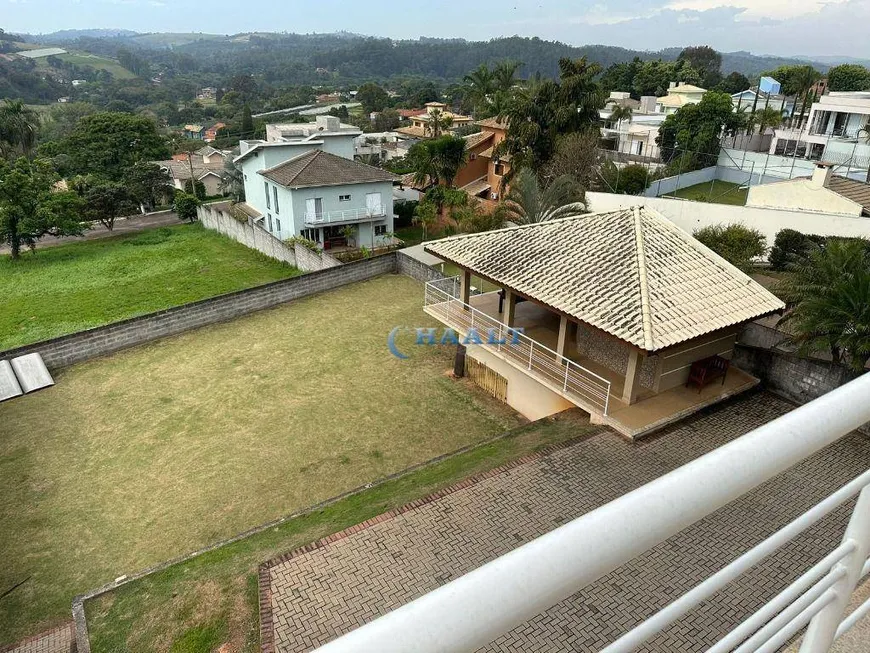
x=479, y=85
x=528, y=203
x=619, y=113
x=768, y=117
x=437, y=123
x=19, y=125
x=504, y=76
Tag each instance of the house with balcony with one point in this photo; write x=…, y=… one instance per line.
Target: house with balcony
x=420, y=124
x=308, y=192
x=483, y=172
x=835, y=130
x=624, y=315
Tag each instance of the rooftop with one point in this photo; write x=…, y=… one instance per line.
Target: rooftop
x=857, y=191
x=319, y=168
x=631, y=273
x=494, y=123
x=473, y=140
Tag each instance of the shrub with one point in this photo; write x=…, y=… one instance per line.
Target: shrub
x=197, y=189
x=628, y=180
x=307, y=244
x=735, y=243
x=185, y=206
x=404, y=211
x=791, y=245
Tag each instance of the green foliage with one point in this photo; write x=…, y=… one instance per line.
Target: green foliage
x=654, y=77
x=386, y=120
x=795, y=79
x=110, y=144
x=473, y=218
x=19, y=125
x=828, y=292
x=31, y=209
x=706, y=61
x=697, y=128
x=627, y=180
x=528, y=203
x=790, y=246
x=195, y=188
x=734, y=83
x=304, y=242
x=437, y=160
x=737, y=244
x=185, y=206
x=848, y=77
x=246, y=128
x=372, y=97
x=489, y=90
x=104, y=202
x=404, y=211
x=148, y=183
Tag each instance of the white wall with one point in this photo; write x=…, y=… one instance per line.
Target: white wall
x=690, y=216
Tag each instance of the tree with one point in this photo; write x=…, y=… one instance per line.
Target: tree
x=372, y=97
x=247, y=124
x=437, y=160
x=233, y=181
x=734, y=83
x=735, y=243
x=767, y=118
x=627, y=180
x=848, y=77
x=577, y=156
x=828, y=295
x=148, y=183
x=796, y=81
x=473, y=218
x=437, y=123
x=620, y=112
x=387, y=120
x=30, y=208
x=479, y=85
x=19, y=125
x=698, y=128
x=654, y=77
x=110, y=144
x=706, y=61
x=528, y=203
x=107, y=201
x=185, y=206
x=426, y=215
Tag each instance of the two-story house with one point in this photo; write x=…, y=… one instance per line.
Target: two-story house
x=484, y=169
x=305, y=183
x=679, y=95
x=421, y=125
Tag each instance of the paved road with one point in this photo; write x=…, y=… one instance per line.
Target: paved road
x=122, y=226
x=319, y=594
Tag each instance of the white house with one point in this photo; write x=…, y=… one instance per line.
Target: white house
x=308, y=185
x=836, y=130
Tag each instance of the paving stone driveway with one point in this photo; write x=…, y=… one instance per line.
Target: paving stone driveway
x=316, y=595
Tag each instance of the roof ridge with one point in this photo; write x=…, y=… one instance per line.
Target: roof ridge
x=648, y=341
x=314, y=154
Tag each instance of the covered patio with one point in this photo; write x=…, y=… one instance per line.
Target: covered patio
x=623, y=315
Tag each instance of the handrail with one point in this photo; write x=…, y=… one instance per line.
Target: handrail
x=555, y=369
x=345, y=215
x=474, y=609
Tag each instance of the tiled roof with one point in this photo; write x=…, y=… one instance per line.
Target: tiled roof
x=319, y=168
x=631, y=273
x=494, y=123
x=489, y=153
x=477, y=186
x=181, y=169
x=857, y=191
x=473, y=140
x=688, y=88
x=408, y=180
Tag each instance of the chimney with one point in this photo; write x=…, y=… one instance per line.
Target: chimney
x=327, y=123
x=822, y=174
x=672, y=85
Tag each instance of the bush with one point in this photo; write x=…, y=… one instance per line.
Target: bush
x=185, y=206
x=628, y=180
x=790, y=245
x=404, y=211
x=197, y=189
x=735, y=243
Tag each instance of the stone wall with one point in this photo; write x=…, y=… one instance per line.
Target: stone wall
x=81, y=346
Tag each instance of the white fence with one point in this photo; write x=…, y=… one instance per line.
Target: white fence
x=478, y=607
x=560, y=374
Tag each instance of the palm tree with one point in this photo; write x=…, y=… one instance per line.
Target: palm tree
x=479, y=85
x=767, y=117
x=619, y=113
x=437, y=123
x=504, y=76
x=528, y=203
x=828, y=293
x=18, y=128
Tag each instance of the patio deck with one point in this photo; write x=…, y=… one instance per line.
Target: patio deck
x=651, y=411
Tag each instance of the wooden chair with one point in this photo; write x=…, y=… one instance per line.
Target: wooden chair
x=706, y=370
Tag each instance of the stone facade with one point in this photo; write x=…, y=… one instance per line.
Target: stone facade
x=613, y=354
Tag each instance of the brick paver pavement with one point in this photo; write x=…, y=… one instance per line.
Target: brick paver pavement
x=57, y=640
x=328, y=590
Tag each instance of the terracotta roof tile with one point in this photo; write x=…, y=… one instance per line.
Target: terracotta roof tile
x=319, y=168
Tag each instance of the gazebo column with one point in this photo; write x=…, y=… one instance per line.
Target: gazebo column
x=510, y=308
x=562, y=342
x=465, y=286
x=632, y=377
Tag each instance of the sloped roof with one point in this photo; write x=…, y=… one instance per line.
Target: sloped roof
x=857, y=191
x=631, y=273
x=687, y=88
x=473, y=140
x=492, y=122
x=181, y=169
x=319, y=168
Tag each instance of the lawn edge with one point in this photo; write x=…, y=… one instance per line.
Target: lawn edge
x=267, y=632
x=78, y=603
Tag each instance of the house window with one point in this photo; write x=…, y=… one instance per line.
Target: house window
x=344, y=198
x=275, y=194
x=268, y=201
x=499, y=169
x=270, y=224
x=380, y=229
x=277, y=225
x=309, y=234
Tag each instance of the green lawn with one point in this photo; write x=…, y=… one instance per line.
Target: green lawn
x=60, y=290
x=717, y=192
x=159, y=450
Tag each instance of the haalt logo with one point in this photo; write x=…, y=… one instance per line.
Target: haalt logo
x=429, y=336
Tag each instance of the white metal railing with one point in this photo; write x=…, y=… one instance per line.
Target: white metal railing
x=544, y=364
x=347, y=215
x=476, y=608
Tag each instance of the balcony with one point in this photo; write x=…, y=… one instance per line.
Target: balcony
x=343, y=217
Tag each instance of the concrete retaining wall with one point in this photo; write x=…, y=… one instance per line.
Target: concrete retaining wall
x=81, y=346
x=415, y=269
x=247, y=233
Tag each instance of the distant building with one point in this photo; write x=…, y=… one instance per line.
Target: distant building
x=634, y=136
x=210, y=134
x=79, y=82
x=420, y=124
x=679, y=95
x=196, y=132
x=484, y=171
x=824, y=192
x=207, y=93
x=206, y=165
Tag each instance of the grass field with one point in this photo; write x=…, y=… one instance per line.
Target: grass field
x=159, y=450
x=68, y=288
x=719, y=192
x=94, y=61
x=213, y=599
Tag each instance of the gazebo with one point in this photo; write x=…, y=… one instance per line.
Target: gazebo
x=619, y=310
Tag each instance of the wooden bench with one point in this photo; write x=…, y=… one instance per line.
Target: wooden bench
x=706, y=370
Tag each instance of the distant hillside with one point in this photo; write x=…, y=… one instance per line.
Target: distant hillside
x=66, y=35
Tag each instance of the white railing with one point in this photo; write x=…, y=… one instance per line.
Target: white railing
x=557, y=372
x=347, y=215
x=478, y=607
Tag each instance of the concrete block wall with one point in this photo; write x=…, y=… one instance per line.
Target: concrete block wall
x=81, y=346
x=248, y=234
x=411, y=267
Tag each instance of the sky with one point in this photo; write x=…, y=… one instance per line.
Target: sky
x=782, y=27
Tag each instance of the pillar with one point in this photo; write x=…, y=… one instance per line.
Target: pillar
x=632, y=377
x=562, y=343
x=465, y=286
x=510, y=308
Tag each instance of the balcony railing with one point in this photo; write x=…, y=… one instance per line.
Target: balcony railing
x=348, y=215
x=477, y=608
x=587, y=389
